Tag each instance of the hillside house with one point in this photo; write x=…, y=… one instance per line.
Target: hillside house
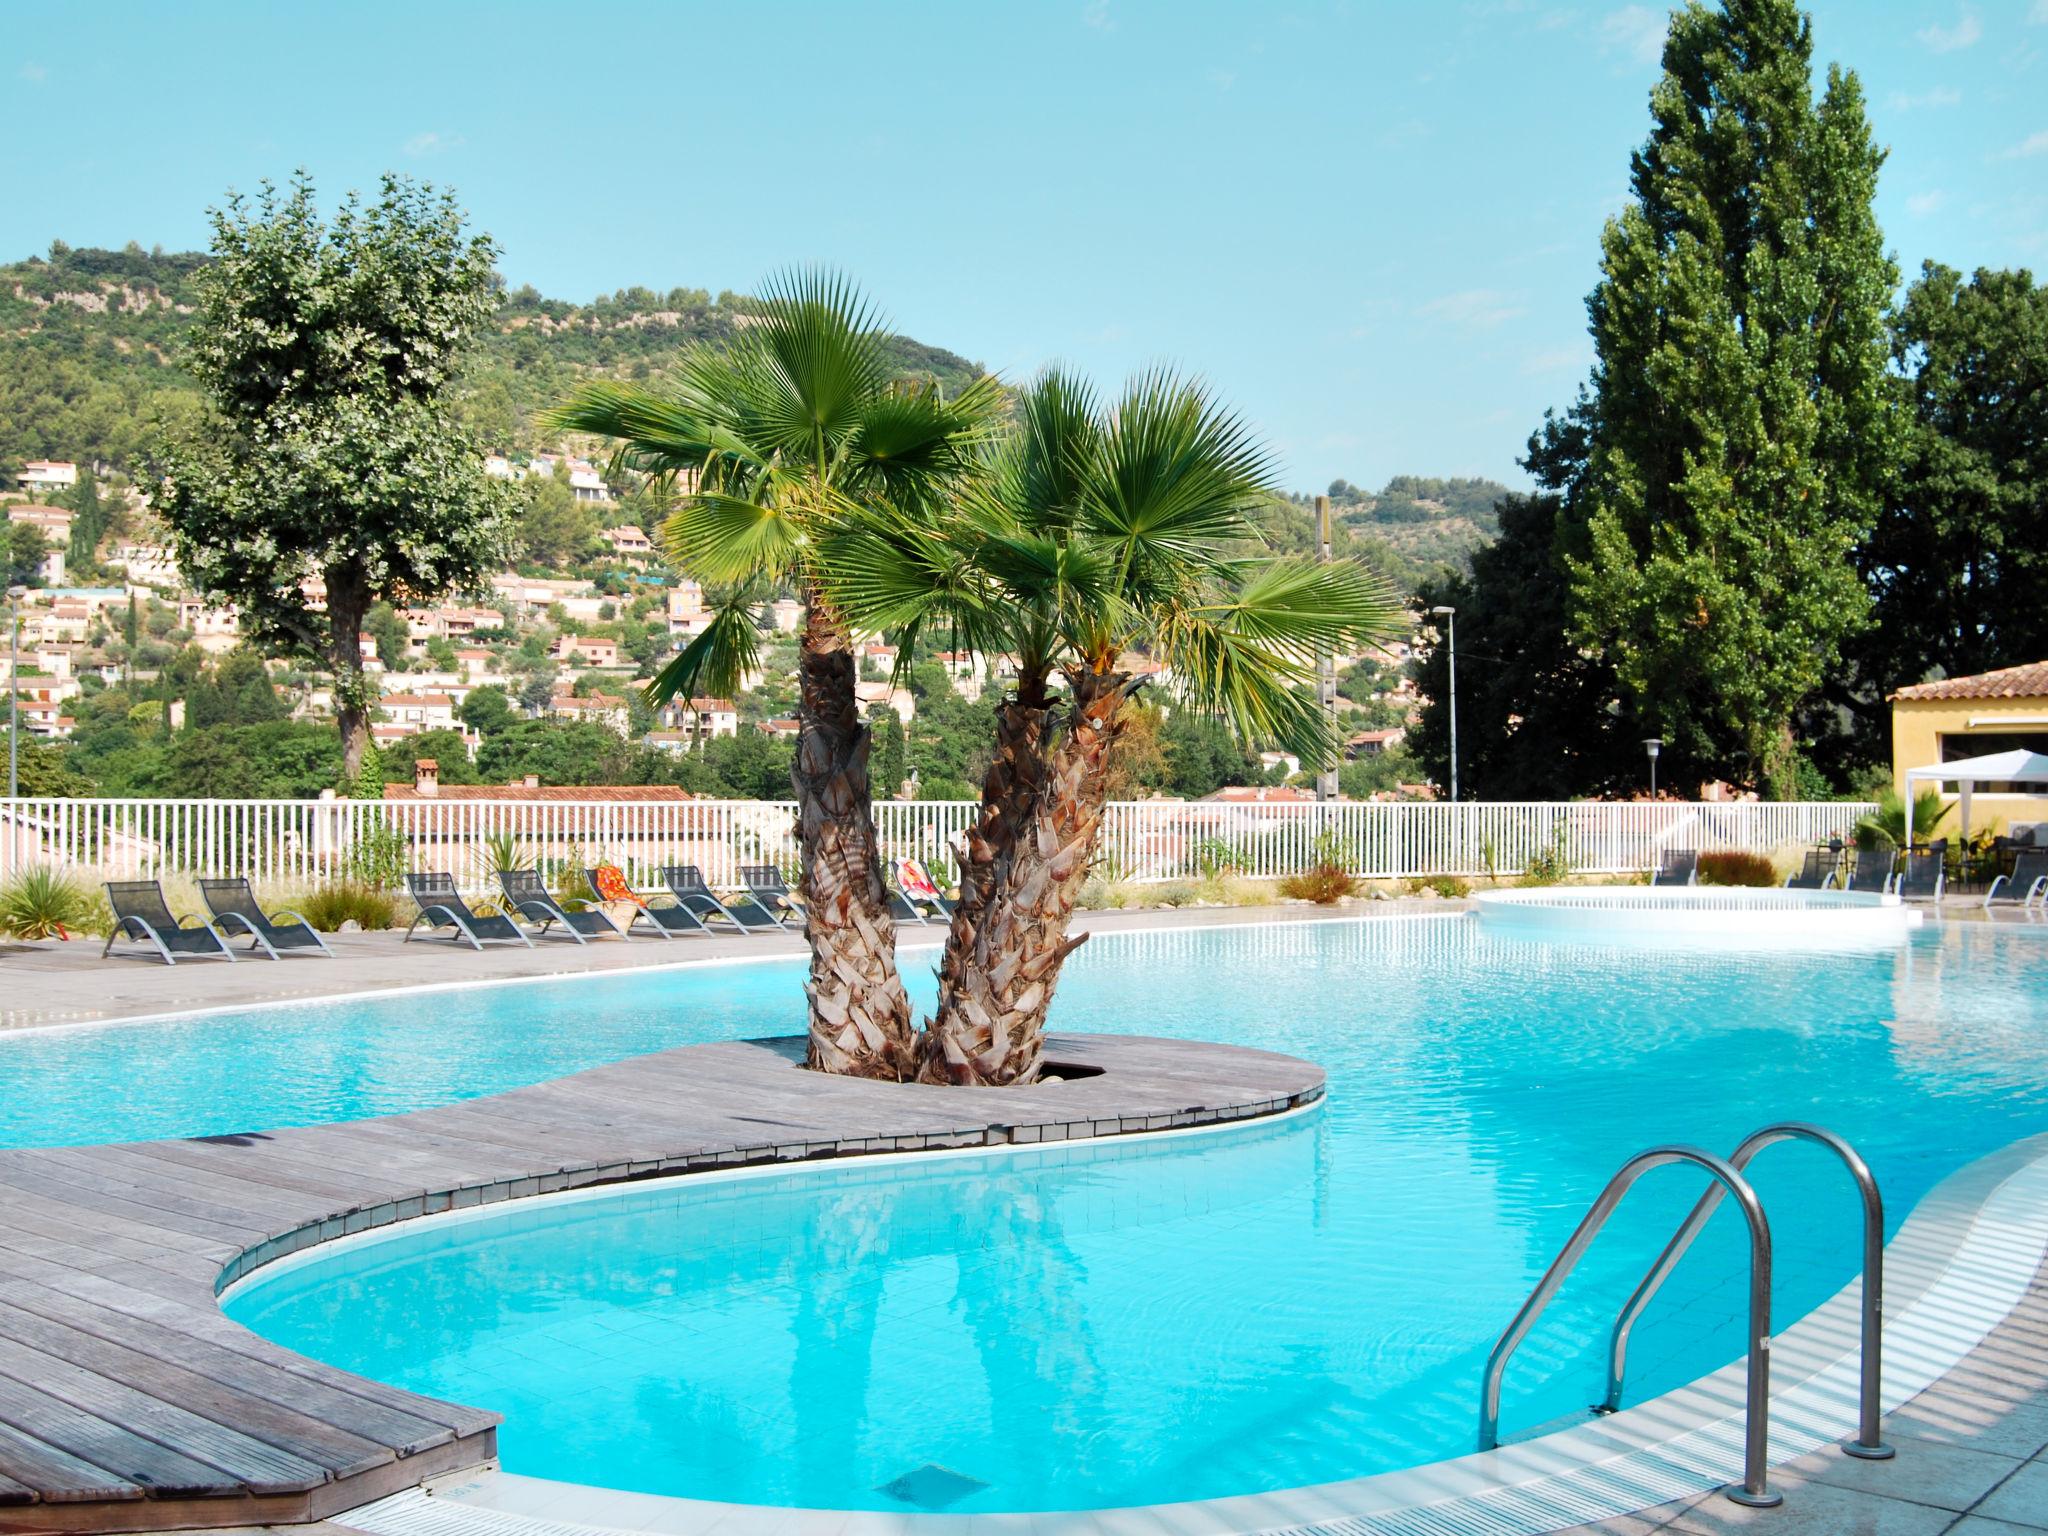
x=590, y=649
x=48, y=475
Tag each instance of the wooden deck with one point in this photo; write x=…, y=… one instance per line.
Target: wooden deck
x=129, y=1402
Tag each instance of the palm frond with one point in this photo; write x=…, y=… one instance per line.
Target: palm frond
x=1175, y=480
x=718, y=661
x=723, y=537
x=1304, y=607
x=807, y=364
x=1263, y=694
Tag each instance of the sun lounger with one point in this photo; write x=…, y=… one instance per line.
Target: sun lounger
x=667, y=921
x=441, y=906
x=140, y=912
x=921, y=890
x=1677, y=866
x=771, y=893
x=2026, y=885
x=1922, y=879
x=233, y=905
x=1816, y=871
x=1873, y=872
x=687, y=884
x=531, y=898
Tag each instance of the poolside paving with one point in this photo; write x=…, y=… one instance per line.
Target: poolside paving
x=129, y=1402
x=1973, y=1459
x=53, y=982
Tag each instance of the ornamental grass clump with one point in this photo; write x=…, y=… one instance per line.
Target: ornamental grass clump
x=44, y=903
x=1732, y=866
x=1324, y=883
x=368, y=907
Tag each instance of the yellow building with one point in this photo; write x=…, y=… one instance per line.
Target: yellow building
x=1962, y=717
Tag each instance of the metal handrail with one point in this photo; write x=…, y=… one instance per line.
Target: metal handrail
x=1869, y=1443
x=1755, y=1489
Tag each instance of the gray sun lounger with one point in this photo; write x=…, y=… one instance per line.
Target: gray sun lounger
x=901, y=907
x=1922, y=879
x=233, y=905
x=771, y=893
x=686, y=883
x=667, y=921
x=530, y=897
x=1816, y=872
x=940, y=903
x=1677, y=866
x=441, y=906
x=1873, y=872
x=2026, y=885
x=140, y=912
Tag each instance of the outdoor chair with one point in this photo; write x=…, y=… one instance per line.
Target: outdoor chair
x=531, y=898
x=1677, y=866
x=1816, y=873
x=901, y=907
x=140, y=912
x=687, y=884
x=918, y=886
x=2026, y=885
x=771, y=892
x=1872, y=873
x=233, y=904
x=441, y=906
x=667, y=921
x=1923, y=877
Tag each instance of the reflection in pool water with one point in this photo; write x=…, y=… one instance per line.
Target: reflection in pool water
x=1282, y=1304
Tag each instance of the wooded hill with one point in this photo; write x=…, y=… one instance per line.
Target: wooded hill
x=89, y=342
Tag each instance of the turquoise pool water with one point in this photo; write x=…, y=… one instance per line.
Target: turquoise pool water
x=1142, y=1322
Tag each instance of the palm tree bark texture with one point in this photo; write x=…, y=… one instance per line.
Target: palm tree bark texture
x=998, y=979
x=860, y=1022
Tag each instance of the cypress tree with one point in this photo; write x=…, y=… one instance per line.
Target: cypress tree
x=1739, y=422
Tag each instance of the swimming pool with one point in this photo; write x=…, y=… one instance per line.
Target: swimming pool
x=1150, y=1321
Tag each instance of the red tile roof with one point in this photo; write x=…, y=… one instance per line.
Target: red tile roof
x=2025, y=682
x=619, y=793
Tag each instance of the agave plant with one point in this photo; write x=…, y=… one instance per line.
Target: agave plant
x=43, y=903
x=773, y=442
x=1096, y=538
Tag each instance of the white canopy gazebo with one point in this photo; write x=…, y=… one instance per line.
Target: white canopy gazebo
x=2015, y=767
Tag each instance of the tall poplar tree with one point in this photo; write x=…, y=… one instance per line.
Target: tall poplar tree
x=1739, y=421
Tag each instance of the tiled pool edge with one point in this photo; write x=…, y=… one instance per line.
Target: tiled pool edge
x=362, y=1220
x=1959, y=1265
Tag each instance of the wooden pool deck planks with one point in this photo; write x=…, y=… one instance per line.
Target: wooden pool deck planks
x=129, y=1402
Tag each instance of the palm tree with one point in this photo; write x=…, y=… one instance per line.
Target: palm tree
x=773, y=442
x=1093, y=537
x=1888, y=823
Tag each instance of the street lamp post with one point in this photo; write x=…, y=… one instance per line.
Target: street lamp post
x=1653, y=746
x=1451, y=614
x=14, y=597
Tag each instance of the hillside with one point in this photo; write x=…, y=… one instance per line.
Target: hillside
x=89, y=342
x=1412, y=529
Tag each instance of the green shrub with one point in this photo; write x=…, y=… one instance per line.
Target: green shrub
x=378, y=857
x=1732, y=866
x=1176, y=893
x=332, y=905
x=44, y=903
x=1450, y=886
x=1322, y=883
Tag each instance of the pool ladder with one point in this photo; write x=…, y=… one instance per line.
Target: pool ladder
x=1728, y=1177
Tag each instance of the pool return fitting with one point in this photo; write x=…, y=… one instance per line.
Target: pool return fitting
x=1728, y=1179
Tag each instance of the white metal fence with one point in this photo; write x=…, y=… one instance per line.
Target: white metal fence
x=308, y=842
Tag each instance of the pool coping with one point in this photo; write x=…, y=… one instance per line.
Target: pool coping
x=1961, y=1262
x=129, y=1401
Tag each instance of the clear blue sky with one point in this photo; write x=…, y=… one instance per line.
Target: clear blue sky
x=1371, y=225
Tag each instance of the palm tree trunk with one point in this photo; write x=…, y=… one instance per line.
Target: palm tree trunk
x=990, y=1028
x=1009, y=802
x=860, y=1015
